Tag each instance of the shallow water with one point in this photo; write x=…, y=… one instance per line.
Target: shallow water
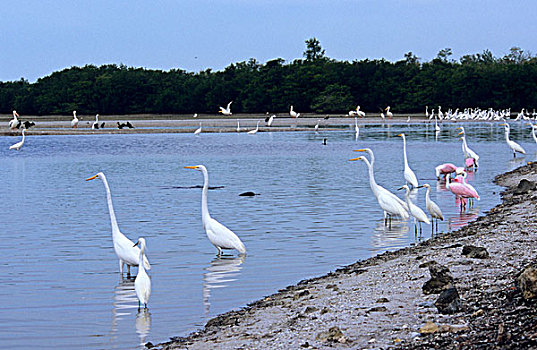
x=315, y=213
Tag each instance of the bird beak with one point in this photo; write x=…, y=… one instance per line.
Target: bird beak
x=359, y=150
x=91, y=178
x=460, y=133
x=191, y=167
x=401, y=188
x=420, y=186
x=135, y=244
x=350, y=160
x=400, y=135
x=503, y=124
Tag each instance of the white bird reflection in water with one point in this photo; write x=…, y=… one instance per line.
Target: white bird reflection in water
x=219, y=273
x=143, y=325
x=389, y=237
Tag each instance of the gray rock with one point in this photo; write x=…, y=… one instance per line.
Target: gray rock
x=441, y=279
x=527, y=282
x=475, y=252
x=524, y=186
x=334, y=334
x=448, y=301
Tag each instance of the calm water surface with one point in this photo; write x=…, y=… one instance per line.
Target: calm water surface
x=60, y=280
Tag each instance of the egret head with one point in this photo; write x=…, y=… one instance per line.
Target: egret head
x=402, y=135
x=98, y=175
x=404, y=187
x=141, y=243
x=362, y=158
x=195, y=167
x=424, y=185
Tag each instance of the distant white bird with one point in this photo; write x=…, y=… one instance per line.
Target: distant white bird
x=227, y=110
x=515, y=147
x=359, y=112
x=410, y=177
x=270, y=119
x=74, y=122
x=408, y=119
x=415, y=211
x=195, y=115
x=533, y=128
x=254, y=131
x=436, y=127
x=198, y=130
x=238, y=126
x=142, y=283
x=293, y=114
x=427, y=112
x=19, y=144
x=317, y=125
x=219, y=235
x=432, y=207
x=125, y=250
x=13, y=123
x=95, y=124
x=388, y=113
x=356, y=128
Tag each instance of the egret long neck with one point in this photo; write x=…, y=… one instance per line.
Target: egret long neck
x=506, y=134
x=141, y=261
x=404, y=151
x=372, y=182
x=113, y=221
x=204, y=207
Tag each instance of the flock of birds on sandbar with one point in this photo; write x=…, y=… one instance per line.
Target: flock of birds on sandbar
x=133, y=254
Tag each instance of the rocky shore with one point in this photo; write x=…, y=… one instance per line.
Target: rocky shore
x=462, y=290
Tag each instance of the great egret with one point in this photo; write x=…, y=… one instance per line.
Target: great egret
x=385, y=199
x=468, y=153
x=74, y=122
x=436, y=127
x=219, y=235
x=227, y=110
x=369, y=151
x=533, y=128
x=432, y=207
x=125, y=250
x=515, y=147
x=238, y=126
x=317, y=125
x=17, y=146
x=293, y=114
x=254, y=131
x=198, y=130
x=95, y=124
x=418, y=214
x=388, y=113
x=270, y=119
x=13, y=123
x=356, y=128
x=359, y=112
x=195, y=115
x=410, y=177
x=142, y=283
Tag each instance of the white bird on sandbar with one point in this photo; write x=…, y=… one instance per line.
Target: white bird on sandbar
x=13, y=123
x=293, y=114
x=410, y=177
x=359, y=112
x=387, y=201
x=125, y=250
x=219, y=235
x=418, y=214
x=515, y=147
x=142, y=283
x=17, y=146
x=74, y=122
x=254, y=131
x=227, y=110
x=388, y=113
x=198, y=130
x=95, y=124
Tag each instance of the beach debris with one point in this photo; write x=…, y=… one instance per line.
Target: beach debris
x=527, y=282
x=475, y=252
x=441, y=279
x=448, y=301
x=429, y=327
x=524, y=186
x=334, y=335
x=377, y=309
x=382, y=300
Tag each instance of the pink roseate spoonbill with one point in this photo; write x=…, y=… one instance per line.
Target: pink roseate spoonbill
x=515, y=147
x=468, y=153
x=464, y=181
x=410, y=177
x=386, y=200
x=432, y=207
x=469, y=163
x=418, y=214
x=461, y=191
x=445, y=169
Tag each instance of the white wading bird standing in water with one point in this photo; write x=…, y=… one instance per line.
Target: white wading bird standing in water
x=17, y=146
x=124, y=247
x=219, y=235
x=142, y=283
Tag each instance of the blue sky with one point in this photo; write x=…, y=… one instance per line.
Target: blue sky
x=40, y=37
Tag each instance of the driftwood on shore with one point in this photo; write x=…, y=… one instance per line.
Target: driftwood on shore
x=380, y=302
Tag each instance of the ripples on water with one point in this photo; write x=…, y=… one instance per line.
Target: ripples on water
x=315, y=212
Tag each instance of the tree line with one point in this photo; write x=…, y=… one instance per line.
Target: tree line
x=315, y=83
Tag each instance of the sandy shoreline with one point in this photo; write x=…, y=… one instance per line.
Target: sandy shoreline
x=379, y=302
x=149, y=124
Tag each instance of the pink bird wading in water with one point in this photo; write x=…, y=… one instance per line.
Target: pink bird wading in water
x=445, y=169
x=462, y=190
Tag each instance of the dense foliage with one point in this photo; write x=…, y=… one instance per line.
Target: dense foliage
x=313, y=84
